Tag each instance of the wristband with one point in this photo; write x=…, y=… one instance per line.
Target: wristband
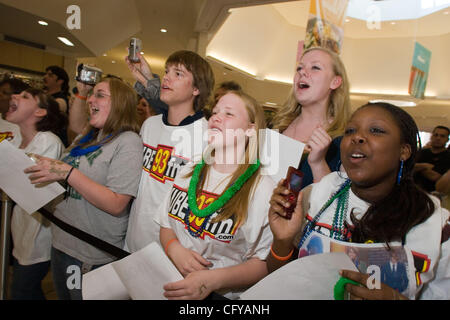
x=67, y=177
x=168, y=244
x=281, y=258
x=80, y=97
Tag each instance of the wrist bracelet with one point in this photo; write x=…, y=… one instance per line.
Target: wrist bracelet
x=67, y=177
x=169, y=243
x=281, y=258
x=80, y=97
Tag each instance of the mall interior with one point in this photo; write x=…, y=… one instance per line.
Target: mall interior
x=252, y=42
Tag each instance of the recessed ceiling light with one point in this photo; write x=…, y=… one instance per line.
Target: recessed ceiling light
x=114, y=61
x=105, y=55
x=43, y=23
x=163, y=30
x=66, y=41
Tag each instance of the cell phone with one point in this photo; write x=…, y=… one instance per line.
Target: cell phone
x=293, y=182
x=133, y=49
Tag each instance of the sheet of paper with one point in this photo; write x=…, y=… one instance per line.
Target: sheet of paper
x=145, y=272
x=103, y=284
x=308, y=278
x=16, y=184
x=278, y=152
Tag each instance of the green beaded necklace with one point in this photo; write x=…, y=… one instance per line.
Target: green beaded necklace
x=224, y=198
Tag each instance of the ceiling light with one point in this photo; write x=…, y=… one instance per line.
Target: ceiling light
x=393, y=22
x=114, y=61
x=398, y=103
x=43, y=23
x=66, y=41
x=163, y=30
x=104, y=54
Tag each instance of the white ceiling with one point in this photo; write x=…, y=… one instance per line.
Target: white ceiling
x=262, y=39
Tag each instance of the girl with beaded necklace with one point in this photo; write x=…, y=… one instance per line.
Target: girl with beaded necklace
x=214, y=225
x=375, y=201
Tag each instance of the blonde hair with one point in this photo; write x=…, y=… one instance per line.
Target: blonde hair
x=237, y=207
x=123, y=114
x=338, y=108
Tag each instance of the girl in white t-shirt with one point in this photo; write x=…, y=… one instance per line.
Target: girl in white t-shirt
x=39, y=119
x=375, y=202
x=214, y=226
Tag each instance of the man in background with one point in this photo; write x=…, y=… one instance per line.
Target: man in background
x=434, y=161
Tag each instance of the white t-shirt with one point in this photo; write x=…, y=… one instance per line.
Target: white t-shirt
x=223, y=243
x=10, y=131
x=166, y=150
x=31, y=233
x=424, y=240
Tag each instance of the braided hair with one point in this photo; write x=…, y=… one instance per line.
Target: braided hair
x=406, y=205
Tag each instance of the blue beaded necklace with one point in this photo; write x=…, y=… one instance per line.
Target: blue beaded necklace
x=337, y=231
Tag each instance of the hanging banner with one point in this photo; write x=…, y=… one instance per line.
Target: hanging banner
x=419, y=71
x=300, y=49
x=326, y=24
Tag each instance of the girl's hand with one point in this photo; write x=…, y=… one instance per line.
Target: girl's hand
x=318, y=145
x=186, y=260
x=196, y=286
x=47, y=170
x=363, y=293
x=84, y=89
x=284, y=229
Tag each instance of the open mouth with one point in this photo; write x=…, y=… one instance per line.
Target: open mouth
x=357, y=156
x=303, y=85
x=12, y=107
x=94, y=110
x=215, y=129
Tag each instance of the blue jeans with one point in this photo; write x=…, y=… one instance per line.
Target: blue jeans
x=67, y=275
x=26, y=281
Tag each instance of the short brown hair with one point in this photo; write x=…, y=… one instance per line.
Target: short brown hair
x=201, y=72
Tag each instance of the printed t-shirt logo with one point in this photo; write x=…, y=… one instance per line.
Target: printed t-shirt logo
x=178, y=208
x=161, y=162
x=8, y=135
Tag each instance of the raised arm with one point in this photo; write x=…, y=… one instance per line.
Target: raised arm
x=78, y=112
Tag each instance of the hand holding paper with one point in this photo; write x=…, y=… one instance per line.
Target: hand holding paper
x=16, y=184
x=47, y=170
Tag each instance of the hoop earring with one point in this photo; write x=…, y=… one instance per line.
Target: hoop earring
x=400, y=172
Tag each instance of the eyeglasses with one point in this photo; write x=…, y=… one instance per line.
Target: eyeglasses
x=98, y=95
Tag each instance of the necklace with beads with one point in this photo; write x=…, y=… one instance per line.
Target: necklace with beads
x=218, y=203
x=338, y=231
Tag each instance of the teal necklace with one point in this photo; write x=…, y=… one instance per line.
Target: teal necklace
x=337, y=231
x=218, y=203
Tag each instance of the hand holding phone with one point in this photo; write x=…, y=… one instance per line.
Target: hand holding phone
x=293, y=182
x=134, y=48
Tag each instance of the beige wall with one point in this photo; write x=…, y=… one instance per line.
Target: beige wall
x=24, y=57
